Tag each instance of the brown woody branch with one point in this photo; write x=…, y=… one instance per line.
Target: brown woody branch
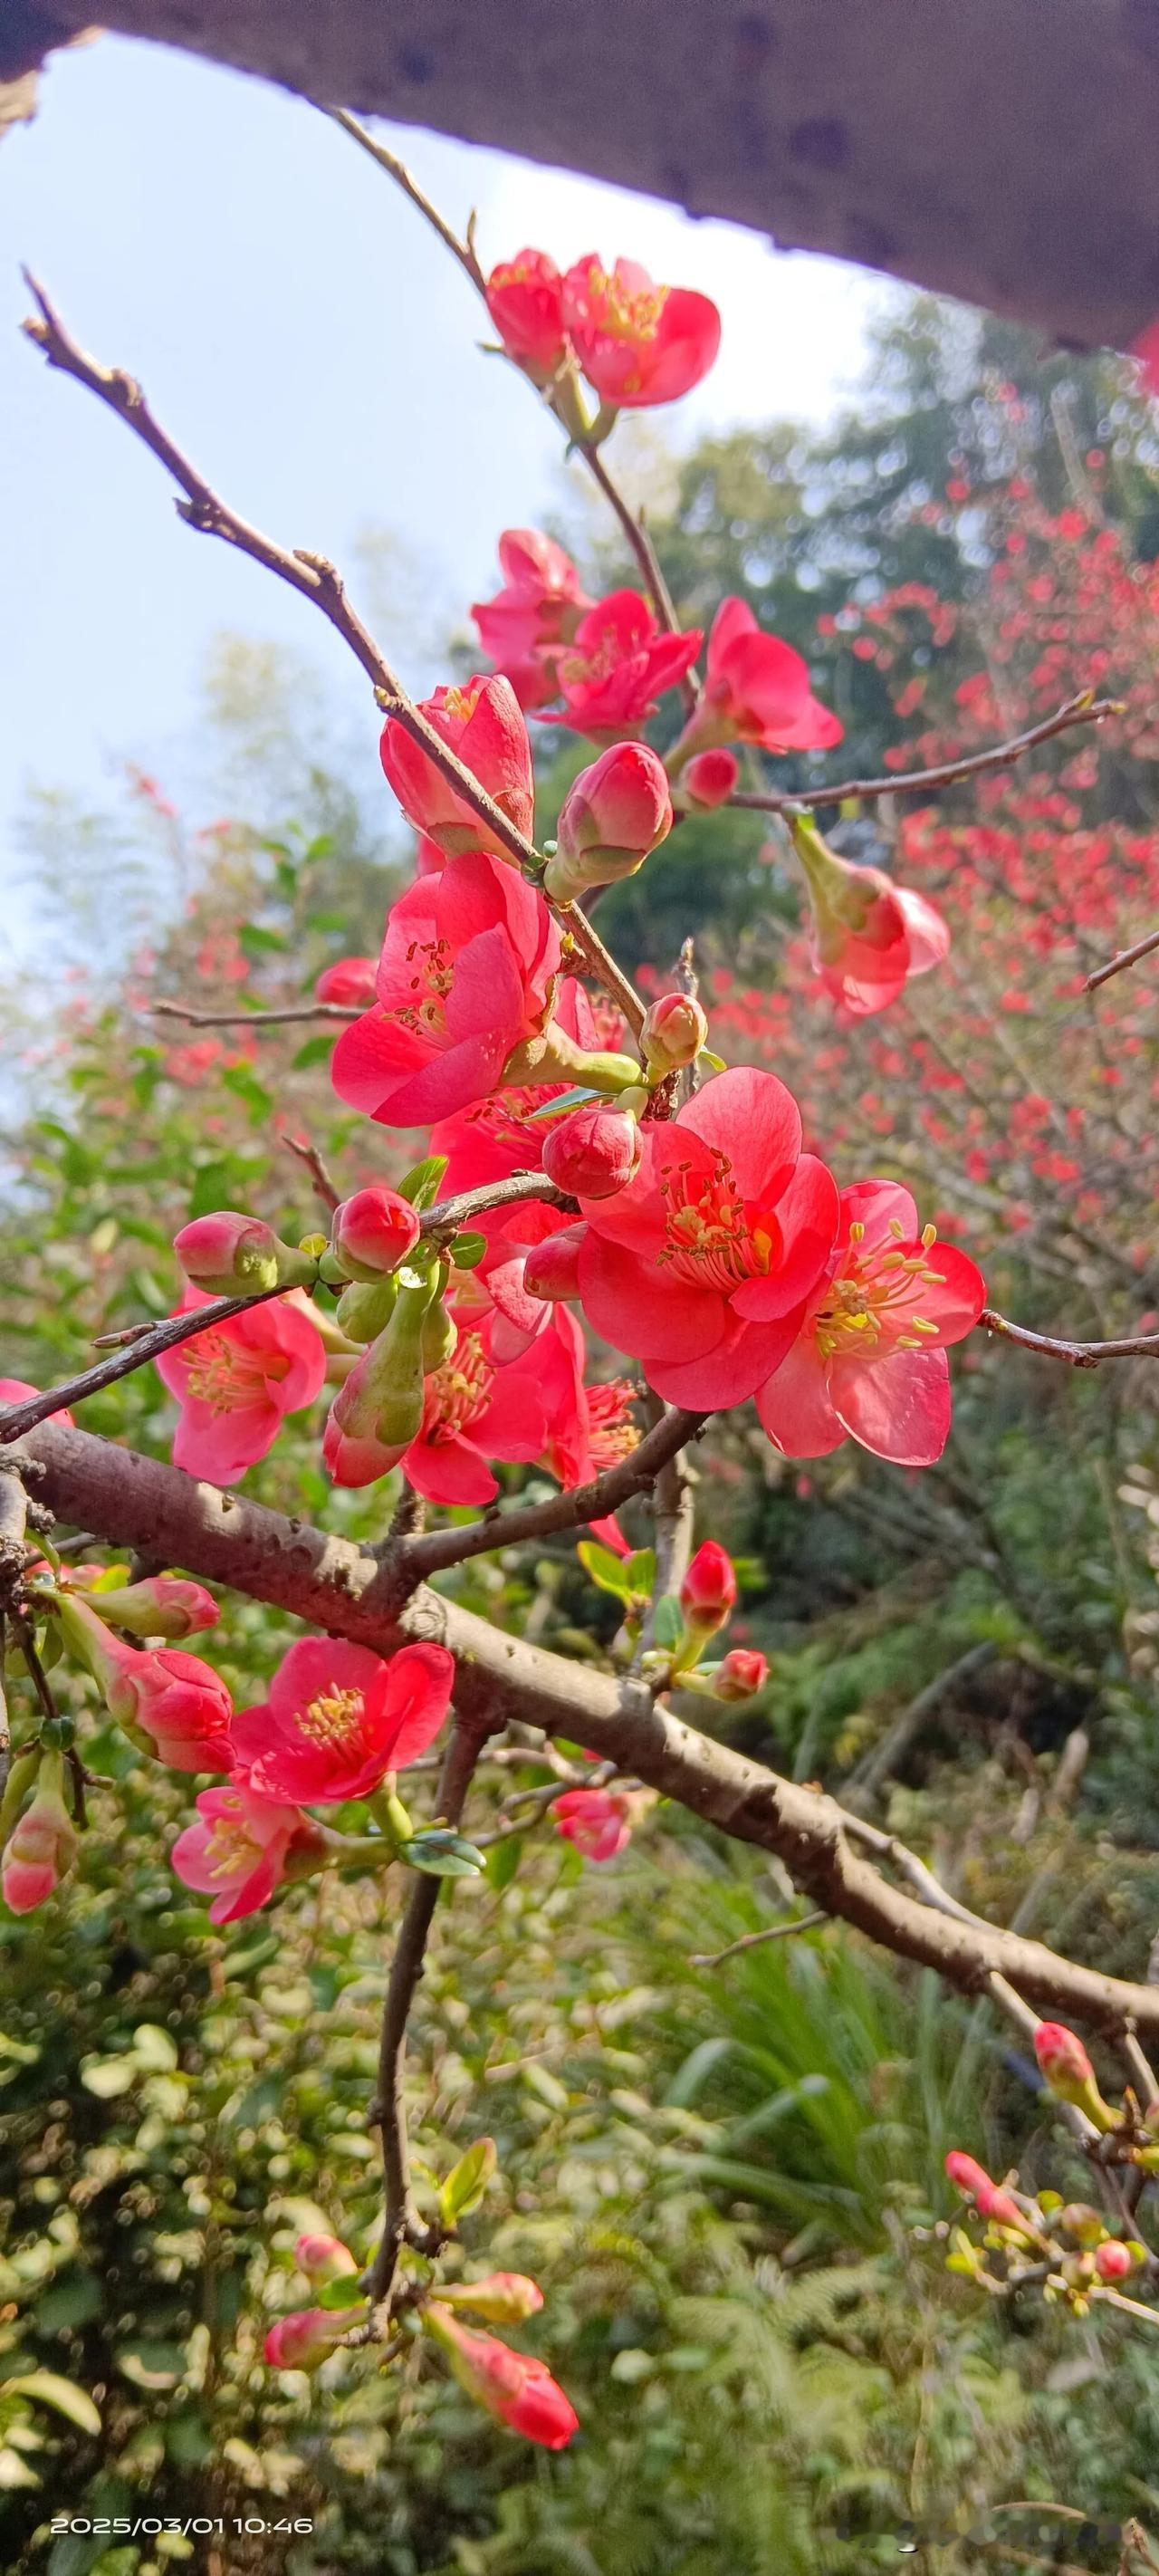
x=195, y=1019
x=1082, y=1355
x=135, y=1501
x=1123, y=957
x=1082, y=710
x=592, y=1502
x=317, y=580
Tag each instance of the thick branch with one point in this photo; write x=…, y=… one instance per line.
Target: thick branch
x=592, y=1502
x=139, y=1502
x=916, y=782
x=318, y=581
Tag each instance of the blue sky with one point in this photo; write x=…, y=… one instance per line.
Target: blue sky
x=312, y=346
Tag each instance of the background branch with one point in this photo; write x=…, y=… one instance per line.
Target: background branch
x=1084, y=709
x=592, y=1502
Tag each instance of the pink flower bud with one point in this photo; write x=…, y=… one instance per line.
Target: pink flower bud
x=708, y=1592
x=742, y=1673
x=42, y=1845
x=974, y=2183
x=161, y=1605
x=1067, y=2069
x=378, y=1410
x=373, y=1232
x=593, y=1153
x=517, y=2391
x=710, y=779
x=303, y=2339
x=502, y=2298
x=229, y=1254
x=1113, y=2262
x=350, y=980
x=674, y=1031
x=171, y=1705
x=551, y=1270
x=613, y=815
x=324, y=2259
x=596, y=1821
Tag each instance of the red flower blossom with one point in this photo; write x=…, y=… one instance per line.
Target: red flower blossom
x=481, y=722
x=637, y=343
x=613, y=815
x=504, y=1134
x=618, y=666
x=517, y=2391
x=536, y=613
x=741, y=1675
x=475, y=1410
x=339, y=1718
x=597, y=1821
x=708, y=1592
x=756, y=690
x=870, y=1361
x=710, y=779
x=170, y=1704
x=868, y=936
x=348, y=980
x=465, y=977
x=236, y=1383
x=701, y=1268
x=241, y=1848
x=525, y=302
x=373, y=1231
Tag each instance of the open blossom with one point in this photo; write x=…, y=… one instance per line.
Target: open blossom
x=465, y=977
x=589, y=1426
x=870, y=1361
x=974, y=2183
x=482, y=724
x=350, y=980
x=534, y=615
x=519, y=2392
x=506, y=1132
x=702, y=1267
x=42, y=1845
x=473, y=1411
x=170, y=1704
x=597, y=1821
x=615, y=671
x=339, y=1718
x=756, y=690
x=236, y=1382
x=241, y=1848
x=637, y=343
x=525, y=302
x=867, y=935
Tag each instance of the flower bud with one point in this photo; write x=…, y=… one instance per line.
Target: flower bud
x=365, y=1308
x=162, y=1605
x=1066, y=2068
x=709, y=779
x=170, y=1705
x=518, y=2391
x=675, y=1029
x=597, y=1822
x=551, y=1269
x=303, y=2339
x=373, y=1232
x=229, y=1255
x=593, y=1153
x=973, y=2181
x=1114, y=2262
x=708, y=1592
x=616, y=812
x=378, y=1411
x=324, y=2259
x=42, y=1845
x=502, y=2298
x=1079, y=2220
x=742, y=1673
x=350, y=980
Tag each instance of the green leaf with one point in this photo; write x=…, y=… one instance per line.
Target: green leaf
x=640, y=1570
x=343, y=2293
x=503, y=1861
x=605, y=1569
x=315, y=1051
x=467, y=2181
x=257, y=942
x=442, y=1855
x=467, y=1251
x=421, y=1184
x=245, y=1086
x=48, y=2387
x=669, y=1624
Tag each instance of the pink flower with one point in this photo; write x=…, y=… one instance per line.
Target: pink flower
x=373, y=1231
x=236, y=1382
x=868, y=936
x=482, y=724
x=303, y=2339
x=1066, y=2068
x=637, y=343
x=757, y=690
x=675, y=1029
x=535, y=614
x=474, y=1410
x=709, y=779
x=613, y=815
x=525, y=302
x=618, y=666
x=229, y=1254
x=170, y=1704
x=741, y=1675
x=502, y=1134
x=348, y=980
x=974, y=2183
x=1146, y=350
x=593, y=1152
x=708, y=1592
x=519, y=2392
x=551, y=1268
x=1114, y=2262
x=241, y=1849
x=702, y=1267
x=41, y=1847
x=597, y=1821
x=465, y=977
x=870, y=1361
x=338, y=1719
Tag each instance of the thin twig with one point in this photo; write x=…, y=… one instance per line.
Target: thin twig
x=1082, y=1355
x=756, y=1940
x=591, y=1502
x=185, y=1012
x=317, y=580
x=1123, y=957
x=1085, y=709
x=323, y=1180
